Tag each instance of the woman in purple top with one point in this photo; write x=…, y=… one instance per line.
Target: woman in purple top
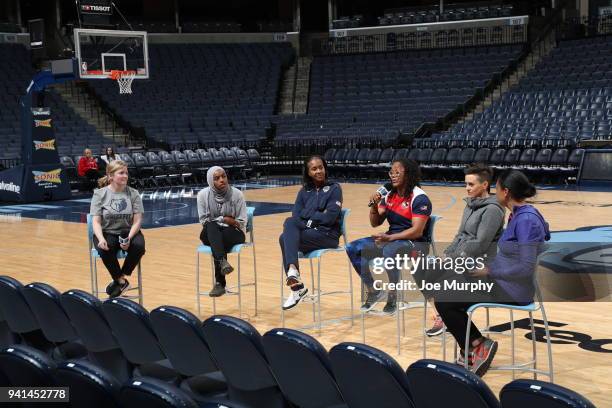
x=511, y=272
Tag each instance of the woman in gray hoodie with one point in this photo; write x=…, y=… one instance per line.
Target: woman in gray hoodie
x=223, y=215
x=481, y=225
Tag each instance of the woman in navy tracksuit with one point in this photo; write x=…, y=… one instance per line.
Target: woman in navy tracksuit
x=314, y=223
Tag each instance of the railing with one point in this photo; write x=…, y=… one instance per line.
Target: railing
x=581, y=27
x=8, y=162
x=107, y=114
x=432, y=37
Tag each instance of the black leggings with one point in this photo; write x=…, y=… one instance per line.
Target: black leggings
x=453, y=311
x=134, y=252
x=221, y=240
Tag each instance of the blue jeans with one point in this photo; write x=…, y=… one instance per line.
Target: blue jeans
x=361, y=251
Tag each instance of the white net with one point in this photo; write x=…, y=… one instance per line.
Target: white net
x=125, y=82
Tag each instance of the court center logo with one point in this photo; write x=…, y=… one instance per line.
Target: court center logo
x=42, y=178
x=42, y=123
x=46, y=145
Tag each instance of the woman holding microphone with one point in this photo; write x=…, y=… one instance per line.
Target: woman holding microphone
x=117, y=216
x=407, y=209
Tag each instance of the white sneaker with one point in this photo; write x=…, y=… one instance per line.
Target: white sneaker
x=294, y=298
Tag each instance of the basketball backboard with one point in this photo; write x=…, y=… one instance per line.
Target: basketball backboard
x=99, y=52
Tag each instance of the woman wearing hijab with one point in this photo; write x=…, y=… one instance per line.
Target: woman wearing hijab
x=223, y=215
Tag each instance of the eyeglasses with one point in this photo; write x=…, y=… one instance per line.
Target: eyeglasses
x=395, y=173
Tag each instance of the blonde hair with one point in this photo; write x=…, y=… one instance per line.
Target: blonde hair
x=111, y=168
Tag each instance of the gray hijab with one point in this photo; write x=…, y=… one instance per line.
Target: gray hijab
x=217, y=199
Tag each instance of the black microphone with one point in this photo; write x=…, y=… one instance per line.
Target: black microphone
x=383, y=191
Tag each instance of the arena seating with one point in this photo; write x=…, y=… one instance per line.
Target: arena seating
x=451, y=13
x=416, y=15
x=231, y=345
x=157, y=167
x=562, y=101
x=72, y=132
x=204, y=94
x=538, y=124
x=375, y=97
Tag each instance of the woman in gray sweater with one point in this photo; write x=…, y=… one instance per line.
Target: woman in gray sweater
x=223, y=215
x=481, y=225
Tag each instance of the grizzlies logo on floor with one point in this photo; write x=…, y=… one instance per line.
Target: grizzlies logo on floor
x=586, y=249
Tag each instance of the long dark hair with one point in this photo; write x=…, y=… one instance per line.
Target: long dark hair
x=517, y=184
x=306, y=179
x=412, y=174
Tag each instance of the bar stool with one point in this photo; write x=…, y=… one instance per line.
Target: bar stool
x=315, y=298
x=93, y=266
x=236, y=249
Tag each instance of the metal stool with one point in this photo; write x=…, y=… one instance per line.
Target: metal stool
x=402, y=305
x=93, y=266
x=315, y=298
x=236, y=249
x=538, y=305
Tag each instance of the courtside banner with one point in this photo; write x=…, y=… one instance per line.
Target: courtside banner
x=44, y=144
x=45, y=182
x=11, y=184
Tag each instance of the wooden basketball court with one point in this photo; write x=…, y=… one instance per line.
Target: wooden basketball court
x=55, y=251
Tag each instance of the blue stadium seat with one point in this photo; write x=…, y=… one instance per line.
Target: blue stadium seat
x=436, y=383
x=238, y=350
x=132, y=328
x=90, y=385
x=26, y=366
x=369, y=377
x=182, y=339
x=19, y=317
x=85, y=312
x=533, y=393
x=306, y=378
x=44, y=301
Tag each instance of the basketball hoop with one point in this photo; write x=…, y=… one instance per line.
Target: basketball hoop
x=124, y=79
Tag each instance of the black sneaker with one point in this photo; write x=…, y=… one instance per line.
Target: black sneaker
x=119, y=289
x=110, y=287
x=391, y=305
x=226, y=268
x=371, y=300
x=218, y=290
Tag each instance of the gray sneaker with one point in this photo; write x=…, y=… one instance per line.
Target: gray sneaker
x=391, y=305
x=217, y=290
x=371, y=300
